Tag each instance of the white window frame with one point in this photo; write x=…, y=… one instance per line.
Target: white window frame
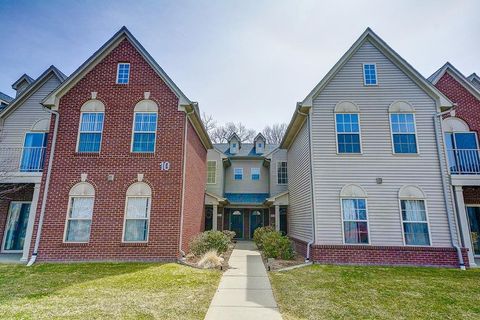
x=278, y=183
x=367, y=220
x=359, y=134
x=251, y=174
x=118, y=72
x=6, y=226
x=80, y=132
x=70, y=202
x=149, y=208
x=365, y=79
x=476, y=255
x=416, y=136
x=234, y=169
x=427, y=222
x=133, y=132
x=215, y=173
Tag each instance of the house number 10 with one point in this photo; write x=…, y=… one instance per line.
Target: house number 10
x=164, y=165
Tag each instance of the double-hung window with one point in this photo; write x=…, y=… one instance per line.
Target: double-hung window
x=370, y=74
x=144, y=132
x=355, y=223
x=136, y=219
x=80, y=212
x=211, y=172
x=255, y=173
x=90, y=136
x=348, y=132
x=238, y=173
x=404, y=136
x=415, y=224
x=282, y=176
x=123, y=73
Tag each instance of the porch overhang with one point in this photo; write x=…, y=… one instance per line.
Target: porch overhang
x=213, y=199
x=280, y=199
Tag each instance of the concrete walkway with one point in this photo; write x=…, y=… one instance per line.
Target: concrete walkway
x=244, y=291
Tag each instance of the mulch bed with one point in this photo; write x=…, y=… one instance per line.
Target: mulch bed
x=277, y=264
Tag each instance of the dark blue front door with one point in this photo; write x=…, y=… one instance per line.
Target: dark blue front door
x=256, y=221
x=236, y=222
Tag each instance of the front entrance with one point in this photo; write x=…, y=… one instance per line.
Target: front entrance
x=16, y=227
x=236, y=223
x=256, y=221
x=473, y=213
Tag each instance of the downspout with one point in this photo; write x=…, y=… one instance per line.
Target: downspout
x=445, y=188
x=180, y=243
x=45, y=190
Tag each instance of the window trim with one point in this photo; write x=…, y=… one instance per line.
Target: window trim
x=215, y=176
x=133, y=133
x=67, y=219
x=427, y=222
x=469, y=229
x=148, y=218
x=359, y=134
x=259, y=174
x=365, y=79
x=416, y=136
x=45, y=139
x=118, y=70
x=79, y=132
x=4, y=238
x=278, y=183
x=234, y=173
x=343, y=221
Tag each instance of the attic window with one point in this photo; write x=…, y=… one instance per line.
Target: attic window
x=370, y=74
x=123, y=73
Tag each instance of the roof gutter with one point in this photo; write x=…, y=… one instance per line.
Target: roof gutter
x=45, y=190
x=450, y=215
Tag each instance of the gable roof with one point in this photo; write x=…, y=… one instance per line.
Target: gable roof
x=475, y=80
x=23, y=77
x=457, y=75
x=258, y=136
x=5, y=97
x=32, y=88
x=247, y=150
x=368, y=35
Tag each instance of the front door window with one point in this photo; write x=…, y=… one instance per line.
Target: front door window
x=474, y=219
x=16, y=227
x=236, y=223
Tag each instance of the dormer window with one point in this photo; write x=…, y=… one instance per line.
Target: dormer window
x=235, y=144
x=370, y=74
x=123, y=73
x=259, y=144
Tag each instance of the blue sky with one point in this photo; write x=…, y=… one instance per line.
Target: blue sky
x=248, y=60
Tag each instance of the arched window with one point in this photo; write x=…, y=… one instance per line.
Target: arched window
x=354, y=214
x=145, y=126
x=403, y=129
x=35, y=146
x=347, y=127
x=91, y=126
x=79, y=213
x=462, y=147
x=137, y=213
x=414, y=216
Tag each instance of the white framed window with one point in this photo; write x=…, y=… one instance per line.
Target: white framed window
x=144, y=132
x=404, y=135
x=347, y=127
x=282, y=173
x=90, y=133
x=211, y=171
x=123, y=73
x=354, y=215
x=79, y=213
x=414, y=216
x=255, y=174
x=370, y=74
x=137, y=213
x=238, y=173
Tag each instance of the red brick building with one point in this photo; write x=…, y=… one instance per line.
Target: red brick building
x=127, y=179
x=461, y=128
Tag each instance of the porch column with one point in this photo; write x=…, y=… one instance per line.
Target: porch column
x=462, y=217
x=214, y=217
x=31, y=222
x=277, y=217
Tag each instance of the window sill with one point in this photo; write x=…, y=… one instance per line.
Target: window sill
x=134, y=244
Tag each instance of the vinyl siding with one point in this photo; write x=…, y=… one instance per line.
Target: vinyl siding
x=333, y=171
x=247, y=185
x=278, y=156
x=299, y=185
x=217, y=187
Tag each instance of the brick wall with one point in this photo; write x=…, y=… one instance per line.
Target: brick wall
x=24, y=194
x=115, y=158
x=471, y=195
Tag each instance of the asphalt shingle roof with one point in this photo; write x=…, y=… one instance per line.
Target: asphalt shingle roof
x=5, y=97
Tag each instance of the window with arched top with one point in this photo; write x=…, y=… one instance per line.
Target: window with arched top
x=461, y=145
x=79, y=213
x=403, y=128
x=137, y=212
x=144, y=126
x=92, y=115
x=354, y=214
x=414, y=216
x=347, y=127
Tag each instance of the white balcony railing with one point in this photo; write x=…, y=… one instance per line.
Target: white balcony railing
x=464, y=161
x=27, y=159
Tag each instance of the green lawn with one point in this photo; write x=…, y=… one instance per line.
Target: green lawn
x=347, y=292
x=105, y=291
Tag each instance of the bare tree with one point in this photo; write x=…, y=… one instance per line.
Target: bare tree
x=220, y=134
x=209, y=123
x=274, y=134
x=245, y=134
x=8, y=160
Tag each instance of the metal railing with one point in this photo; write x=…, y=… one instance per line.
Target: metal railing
x=27, y=159
x=464, y=161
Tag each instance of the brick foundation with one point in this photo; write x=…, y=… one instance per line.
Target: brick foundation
x=382, y=255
